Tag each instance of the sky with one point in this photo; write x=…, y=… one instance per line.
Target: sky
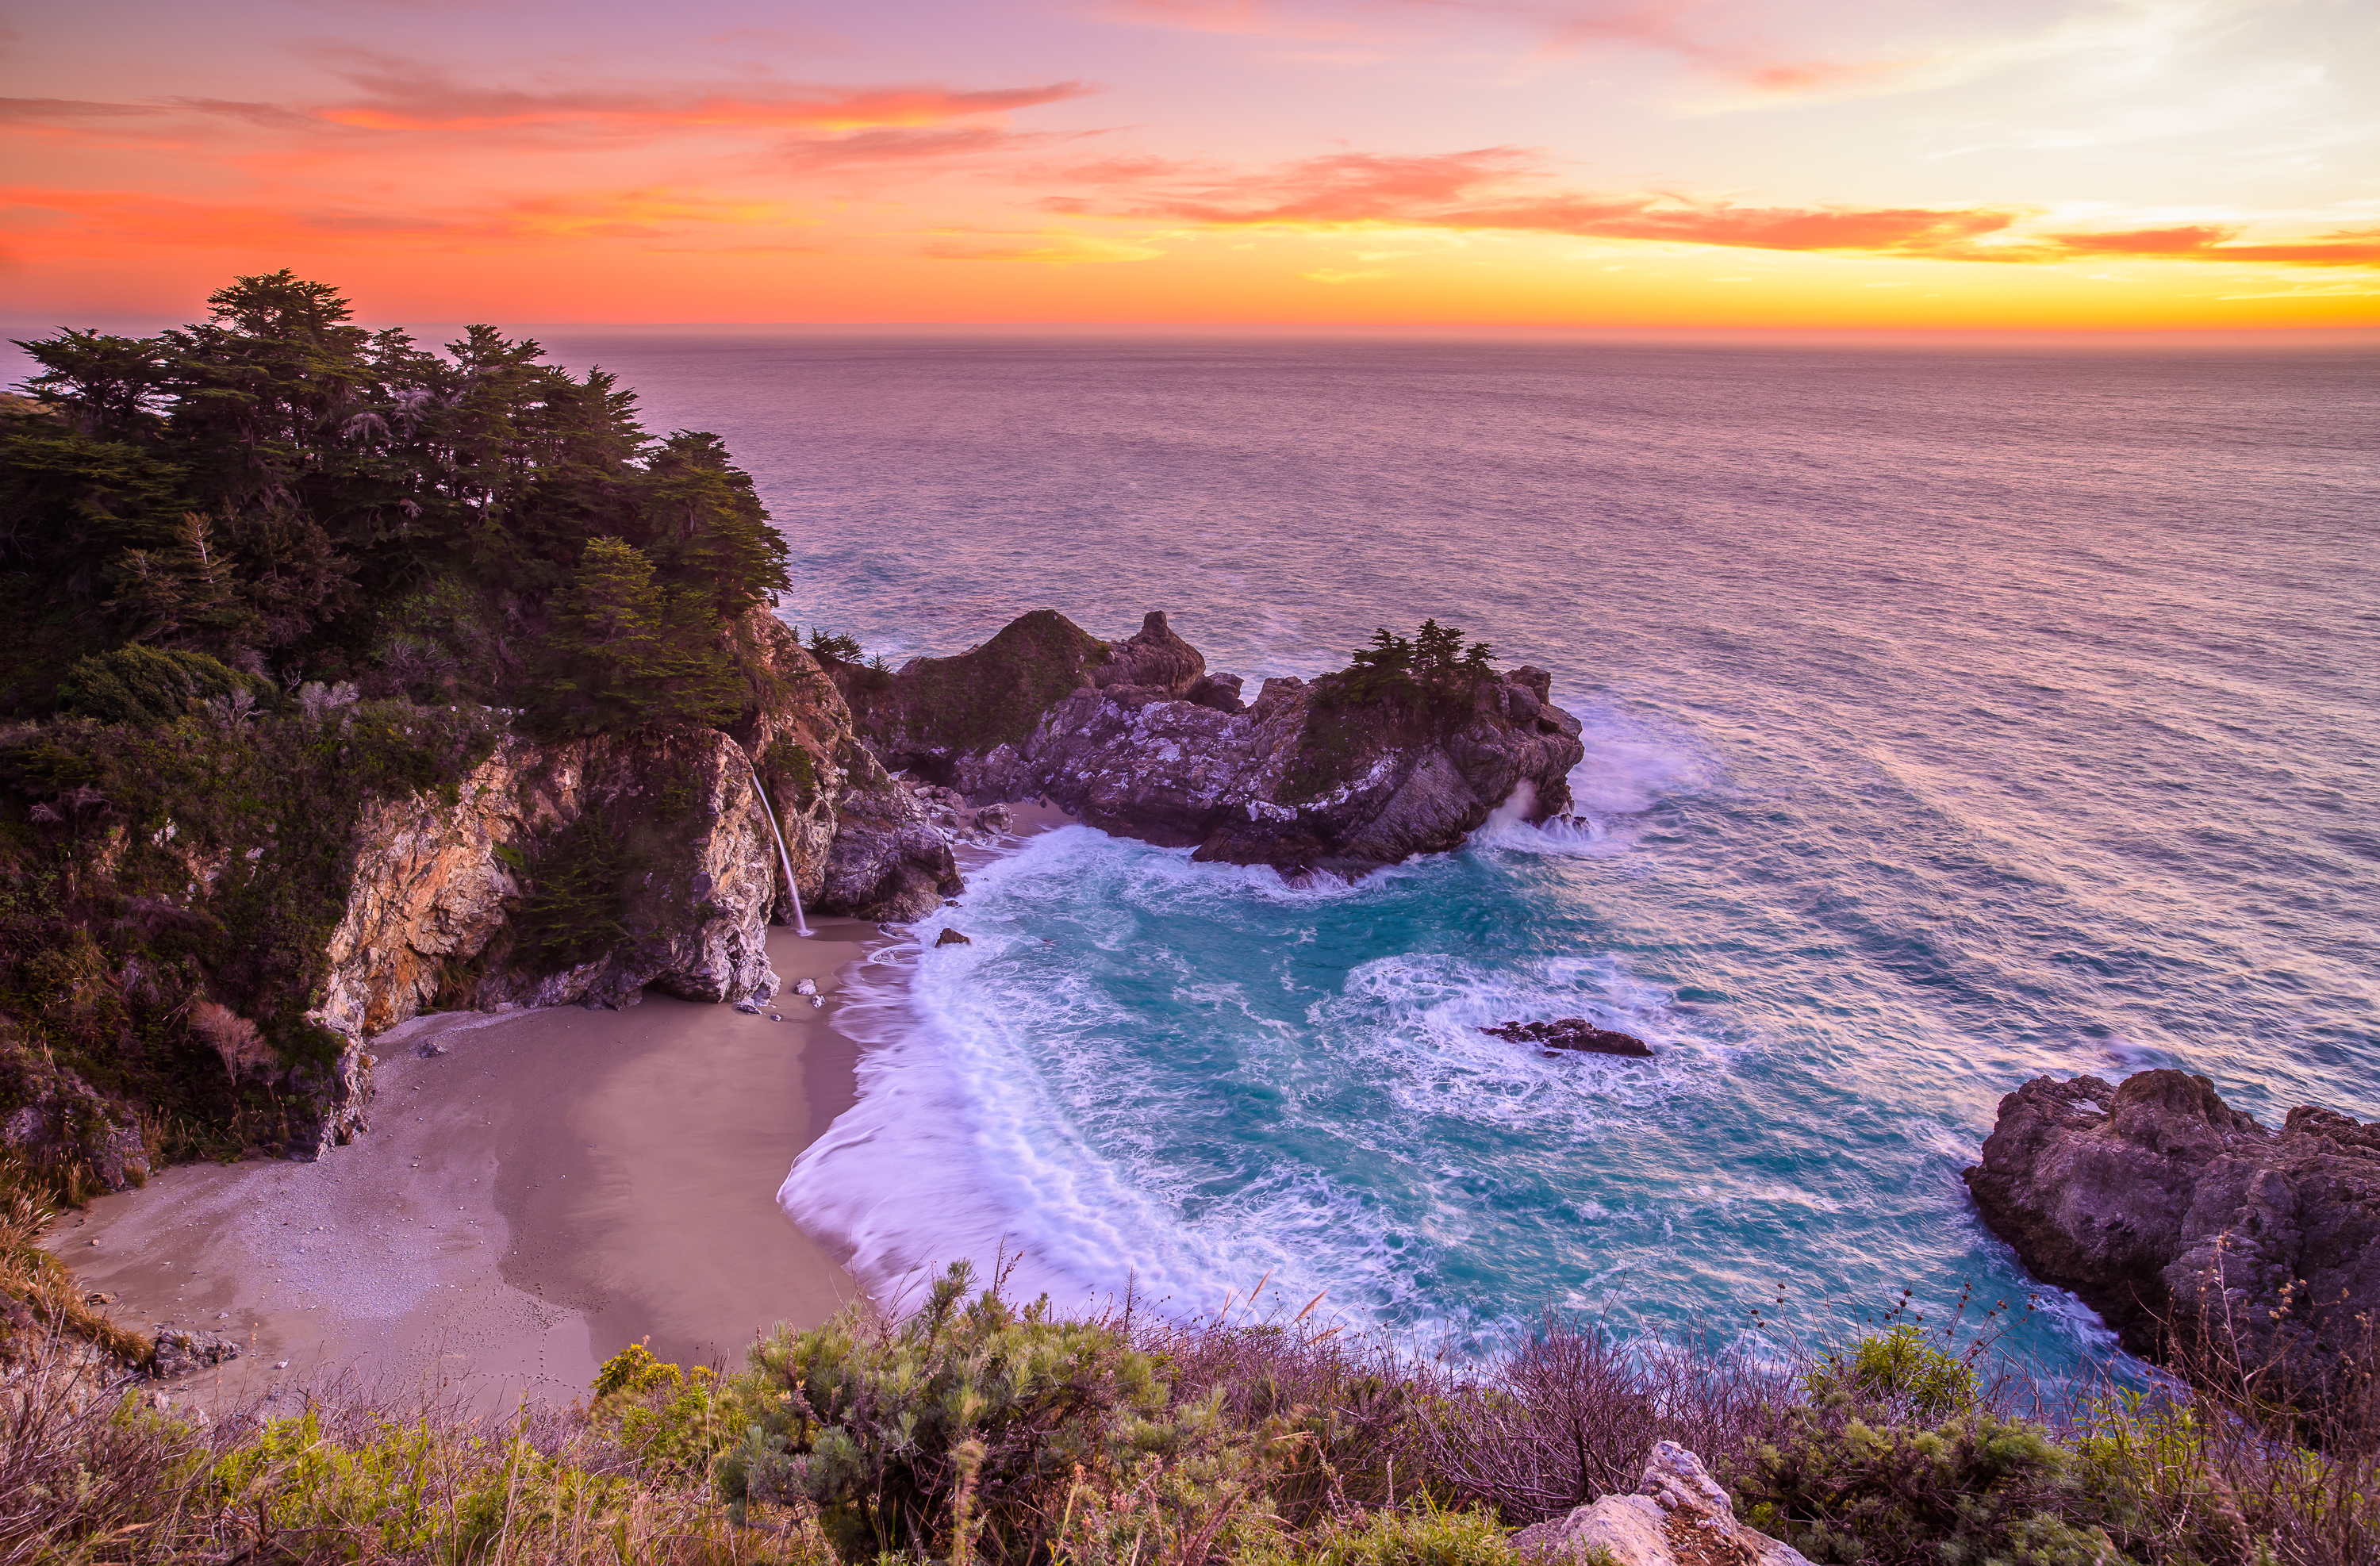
x=2034, y=164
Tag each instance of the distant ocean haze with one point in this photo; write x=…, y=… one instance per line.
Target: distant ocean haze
x=1952, y=718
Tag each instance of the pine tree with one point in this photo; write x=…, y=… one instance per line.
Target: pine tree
x=625, y=654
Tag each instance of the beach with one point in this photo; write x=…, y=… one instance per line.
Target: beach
x=552, y=1187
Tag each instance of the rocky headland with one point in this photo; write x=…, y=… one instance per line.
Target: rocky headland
x=2234, y=1252
x=1339, y=774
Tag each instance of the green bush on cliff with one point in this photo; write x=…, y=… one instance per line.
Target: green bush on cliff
x=287, y=495
x=146, y=868
x=142, y=685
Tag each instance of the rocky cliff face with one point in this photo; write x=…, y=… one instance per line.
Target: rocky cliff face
x=584, y=871
x=2199, y=1234
x=1137, y=737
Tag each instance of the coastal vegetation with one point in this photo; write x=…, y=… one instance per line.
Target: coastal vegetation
x=256, y=573
x=972, y=1429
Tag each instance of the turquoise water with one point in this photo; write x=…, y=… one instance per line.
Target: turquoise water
x=1951, y=719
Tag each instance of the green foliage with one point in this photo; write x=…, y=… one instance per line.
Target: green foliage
x=1901, y=1367
x=1974, y=1489
x=672, y=1421
x=835, y=645
x=578, y=881
x=1391, y=666
x=141, y=684
x=146, y=868
x=957, y=1430
x=1425, y=1536
x=626, y=654
x=276, y=486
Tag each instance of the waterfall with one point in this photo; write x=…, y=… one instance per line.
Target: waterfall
x=801, y=924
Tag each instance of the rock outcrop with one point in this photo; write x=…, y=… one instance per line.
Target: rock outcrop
x=1679, y=1516
x=2201, y=1236
x=1573, y=1033
x=1137, y=737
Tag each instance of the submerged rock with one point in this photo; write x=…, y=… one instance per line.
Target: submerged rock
x=951, y=938
x=1135, y=738
x=2201, y=1236
x=1571, y=1033
x=1679, y=1516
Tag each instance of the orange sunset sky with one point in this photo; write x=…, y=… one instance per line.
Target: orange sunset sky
x=2032, y=163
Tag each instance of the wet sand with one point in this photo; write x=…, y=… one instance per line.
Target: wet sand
x=557, y=1186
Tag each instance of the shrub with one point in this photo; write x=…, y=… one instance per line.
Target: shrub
x=1898, y=1367
x=966, y=1427
x=1976, y=1489
x=1424, y=1536
x=142, y=685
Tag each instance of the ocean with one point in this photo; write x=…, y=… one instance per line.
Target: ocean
x=1953, y=716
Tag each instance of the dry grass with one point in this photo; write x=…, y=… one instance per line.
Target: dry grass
x=38, y=1296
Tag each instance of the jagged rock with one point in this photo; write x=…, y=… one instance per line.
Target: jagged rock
x=1221, y=692
x=1312, y=777
x=807, y=987
x=1679, y=1516
x=178, y=1352
x=949, y=720
x=951, y=938
x=2201, y=1236
x=861, y=843
x=1571, y=1033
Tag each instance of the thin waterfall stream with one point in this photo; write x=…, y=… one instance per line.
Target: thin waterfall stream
x=801, y=922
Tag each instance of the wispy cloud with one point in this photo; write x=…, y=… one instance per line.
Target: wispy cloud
x=1507, y=189
x=133, y=217
x=397, y=95
x=1049, y=248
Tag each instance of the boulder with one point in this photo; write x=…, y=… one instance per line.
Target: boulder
x=1571, y=1033
x=2202, y=1237
x=180, y=1352
x=1679, y=1516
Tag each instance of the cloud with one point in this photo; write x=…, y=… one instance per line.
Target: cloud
x=1507, y=189
x=1498, y=188
x=2343, y=247
x=1713, y=35
x=1055, y=248
x=111, y=219
x=403, y=95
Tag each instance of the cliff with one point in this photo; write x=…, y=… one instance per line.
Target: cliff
x=1342, y=774
x=237, y=905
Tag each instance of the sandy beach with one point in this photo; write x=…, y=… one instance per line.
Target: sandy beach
x=555, y=1185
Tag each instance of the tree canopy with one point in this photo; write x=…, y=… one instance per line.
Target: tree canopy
x=296, y=497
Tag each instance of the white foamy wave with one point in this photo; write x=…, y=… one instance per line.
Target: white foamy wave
x=1418, y=1019
x=1630, y=767
x=966, y=1142
x=1627, y=769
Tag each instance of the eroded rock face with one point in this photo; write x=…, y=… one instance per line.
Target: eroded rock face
x=1679, y=1516
x=442, y=904
x=2190, y=1227
x=1136, y=737
x=861, y=843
